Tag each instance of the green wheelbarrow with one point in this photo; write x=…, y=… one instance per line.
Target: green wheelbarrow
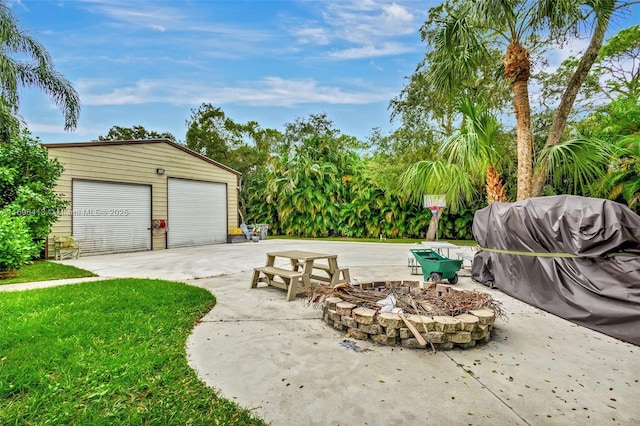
x=436, y=267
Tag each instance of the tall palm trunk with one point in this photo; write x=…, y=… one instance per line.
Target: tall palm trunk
x=494, y=187
x=517, y=70
x=569, y=96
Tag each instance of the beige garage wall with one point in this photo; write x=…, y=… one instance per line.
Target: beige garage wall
x=136, y=162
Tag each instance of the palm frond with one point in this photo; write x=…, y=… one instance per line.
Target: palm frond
x=437, y=177
x=458, y=48
x=465, y=151
x=578, y=162
x=25, y=61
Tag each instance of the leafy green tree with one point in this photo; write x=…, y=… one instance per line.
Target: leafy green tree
x=318, y=184
x=24, y=62
x=306, y=180
x=425, y=106
x=552, y=86
x=392, y=154
x=117, y=133
x=256, y=206
x=243, y=147
x=302, y=129
x=463, y=162
x=9, y=122
x=608, y=131
x=303, y=132
x=477, y=149
x=27, y=181
x=239, y=146
x=307, y=186
x=618, y=122
x=623, y=180
x=371, y=211
x=211, y=133
x=619, y=61
x=614, y=75
x=462, y=34
x=601, y=12
x=459, y=225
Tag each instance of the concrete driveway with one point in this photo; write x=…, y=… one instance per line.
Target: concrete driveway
x=279, y=359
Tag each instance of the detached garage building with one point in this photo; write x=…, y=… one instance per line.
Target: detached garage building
x=143, y=195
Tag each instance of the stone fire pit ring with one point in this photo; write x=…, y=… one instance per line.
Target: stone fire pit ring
x=443, y=326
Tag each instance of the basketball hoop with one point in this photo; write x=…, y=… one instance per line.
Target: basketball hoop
x=431, y=201
x=434, y=203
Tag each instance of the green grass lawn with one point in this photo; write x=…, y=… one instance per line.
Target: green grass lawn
x=106, y=352
x=42, y=270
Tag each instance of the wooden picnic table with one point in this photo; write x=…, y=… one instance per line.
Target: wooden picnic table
x=302, y=268
x=440, y=246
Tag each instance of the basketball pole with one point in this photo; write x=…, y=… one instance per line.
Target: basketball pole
x=434, y=212
x=434, y=203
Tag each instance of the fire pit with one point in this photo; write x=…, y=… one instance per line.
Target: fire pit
x=402, y=313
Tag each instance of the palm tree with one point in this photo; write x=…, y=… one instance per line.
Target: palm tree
x=461, y=36
x=603, y=10
x=476, y=150
x=36, y=71
x=469, y=161
x=473, y=158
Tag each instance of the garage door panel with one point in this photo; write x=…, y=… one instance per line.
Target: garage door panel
x=111, y=217
x=197, y=213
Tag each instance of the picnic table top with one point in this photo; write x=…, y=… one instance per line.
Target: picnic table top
x=301, y=255
x=439, y=245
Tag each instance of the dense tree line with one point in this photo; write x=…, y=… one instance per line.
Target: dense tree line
x=450, y=140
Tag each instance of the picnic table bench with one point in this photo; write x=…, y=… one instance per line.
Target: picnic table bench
x=297, y=279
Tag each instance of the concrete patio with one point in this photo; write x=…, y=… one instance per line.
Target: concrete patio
x=279, y=359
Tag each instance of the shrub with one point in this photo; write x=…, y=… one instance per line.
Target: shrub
x=27, y=181
x=16, y=245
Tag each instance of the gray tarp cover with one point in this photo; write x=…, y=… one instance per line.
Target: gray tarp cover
x=593, y=289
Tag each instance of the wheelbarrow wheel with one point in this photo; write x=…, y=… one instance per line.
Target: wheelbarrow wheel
x=435, y=276
x=453, y=279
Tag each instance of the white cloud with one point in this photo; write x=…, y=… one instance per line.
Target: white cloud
x=362, y=22
x=574, y=47
x=362, y=29
x=16, y=3
x=58, y=129
x=270, y=91
x=370, y=51
x=312, y=35
x=139, y=14
x=153, y=15
x=398, y=18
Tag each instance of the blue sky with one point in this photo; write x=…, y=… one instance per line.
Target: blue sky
x=150, y=63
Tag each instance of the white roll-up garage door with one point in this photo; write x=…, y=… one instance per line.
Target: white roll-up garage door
x=197, y=213
x=111, y=217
